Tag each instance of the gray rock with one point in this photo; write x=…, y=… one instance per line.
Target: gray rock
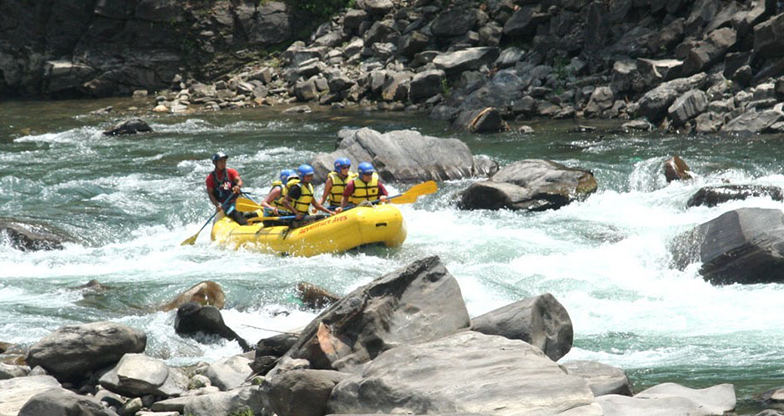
x=133, y=126
x=453, y=22
x=540, y=321
x=655, y=71
x=30, y=237
x=400, y=156
x=62, y=402
x=496, y=376
x=687, y=107
x=306, y=90
x=420, y=302
x=532, y=184
x=768, y=37
x=64, y=76
x=229, y=373
x=15, y=392
x=740, y=246
x=601, y=378
x=138, y=375
x=376, y=8
x=639, y=124
x=654, y=104
x=710, y=196
x=713, y=48
x=396, y=86
x=509, y=57
x=754, y=122
x=300, y=109
x=717, y=400
x=223, y=403
x=601, y=99
x=354, y=18
x=379, y=32
x=413, y=43
x=71, y=352
x=466, y=59
x=302, y=392
x=616, y=405
x=10, y=371
x=525, y=21
x=709, y=122
x=623, y=75
x=426, y=84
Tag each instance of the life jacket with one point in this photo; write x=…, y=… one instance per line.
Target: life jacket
x=222, y=191
x=338, y=186
x=284, y=189
x=365, y=191
x=302, y=204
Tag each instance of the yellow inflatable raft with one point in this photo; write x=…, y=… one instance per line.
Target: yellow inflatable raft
x=377, y=224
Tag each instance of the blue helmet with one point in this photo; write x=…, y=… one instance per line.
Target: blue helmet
x=218, y=156
x=340, y=162
x=285, y=173
x=304, y=170
x=366, y=167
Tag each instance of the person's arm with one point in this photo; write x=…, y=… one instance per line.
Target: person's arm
x=346, y=194
x=273, y=195
x=327, y=190
x=321, y=208
x=211, y=194
x=237, y=181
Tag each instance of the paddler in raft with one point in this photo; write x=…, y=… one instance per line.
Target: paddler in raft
x=365, y=188
x=223, y=186
x=336, y=183
x=273, y=202
x=299, y=196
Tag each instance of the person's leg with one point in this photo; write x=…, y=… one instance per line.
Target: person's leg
x=238, y=217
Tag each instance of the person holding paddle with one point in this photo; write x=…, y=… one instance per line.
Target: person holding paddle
x=299, y=197
x=273, y=202
x=223, y=185
x=336, y=183
x=365, y=187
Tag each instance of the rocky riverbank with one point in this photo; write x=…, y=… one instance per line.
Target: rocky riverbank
x=404, y=343
x=703, y=66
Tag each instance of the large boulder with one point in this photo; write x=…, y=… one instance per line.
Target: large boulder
x=72, y=352
x=540, y=321
x=418, y=303
x=466, y=59
x=426, y=84
x=193, y=318
x=710, y=196
x=672, y=399
x=204, y=293
x=603, y=379
x=400, y=156
x=466, y=372
x=14, y=393
x=137, y=375
x=62, y=402
x=532, y=184
x=745, y=246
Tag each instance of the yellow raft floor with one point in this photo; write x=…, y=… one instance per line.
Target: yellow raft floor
x=359, y=226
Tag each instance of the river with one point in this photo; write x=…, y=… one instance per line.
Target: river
x=129, y=201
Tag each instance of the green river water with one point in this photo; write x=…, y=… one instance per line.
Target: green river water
x=128, y=202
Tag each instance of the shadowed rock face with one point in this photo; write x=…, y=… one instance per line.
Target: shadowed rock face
x=741, y=246
x=193, y=318
x=533, y=185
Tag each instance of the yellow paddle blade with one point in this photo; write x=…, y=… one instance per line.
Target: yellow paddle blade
x=246, y=205
x=190, y=241
x=411, y=195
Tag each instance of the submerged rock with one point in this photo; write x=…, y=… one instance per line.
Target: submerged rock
x=710, y=196
x=193, y=318
x=133, y=126
x=30, y=237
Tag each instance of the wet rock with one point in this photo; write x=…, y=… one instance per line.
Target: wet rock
x=136, y=375
x=602, y=379
x=72, y=352
x=676, y=169
x=533, y=185
x=710, y=196
x=485, y=120
x=315, y=297
x=193, y=318
x=400, y=156
x=204, y=293
x=129, y=127
x=540, y=321
x=740, y=246
x=497, y=376
x=30, y=237
x=421, y=302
